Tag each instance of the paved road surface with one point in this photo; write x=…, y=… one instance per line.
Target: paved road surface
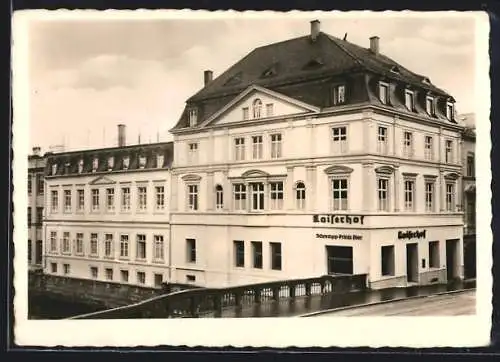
x=463, y=303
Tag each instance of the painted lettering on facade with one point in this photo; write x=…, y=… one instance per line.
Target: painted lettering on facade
x=411, y=234
x=338, y=219
x=339, y=236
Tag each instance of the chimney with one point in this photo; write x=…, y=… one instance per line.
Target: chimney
x=121, y=135
x=208, y=75
x=374, y=44
x=315, y=29
x=36, y=151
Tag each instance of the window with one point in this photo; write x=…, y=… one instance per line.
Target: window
x=141, y=246
x=160, y=160
x=29, y=184
x=29, y=216
x=429, y=106
x=193, y=117
x=123, y=246
x=108, y=245
x=409, y=189
x=30, y=251
x=79, y=243
x=275, y=256
x=300, y=196
x=246, y=114
x=38, y=252
x=339, y=194
x=40, y=184
x=339, y=259
x=257, y=108
x=66, y=269
x=54, y=169
x=257, y=147
x=387, y=260
x=126, y=162
x=142, y=162
x=193, y=153
x=160, y=197
x=66, y=246
x=39, y=215
x=257, y=254
x=111, y=163
x=94, y=244
x=53, y=267
x=240, y=196
x=191, y=250
x=110, y=199
x=470, y=166
x=94, y=272
x=158, y=253
x=409, y=100
x=158, y=280
x=257, y=195
x=54, y=200
x=408, y=144
x=80, y=199
x=125, y=198
x=383, y=93
x=382, y=140
x=429, y=196
x=428, y=149
x=219, y=197
x=67, y=200
x=449, y=151
x=433, y=254
x=450, y=197
x=339, y=139
x=269, y=110
x=383, y=194
x=109, y=273
x=193, y=197
x=239, y=253
x=471, y=212
x=449, y=111
x=190, y=278
x=53, y=241
x=276, y=189
x=124, y=276
x=95, y=199
x=338, y=94
x=80, y=166
x=142, y=198
x=239, y=149
x=276, y=145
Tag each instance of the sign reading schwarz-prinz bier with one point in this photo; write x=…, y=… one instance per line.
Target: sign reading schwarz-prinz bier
x=338, y=219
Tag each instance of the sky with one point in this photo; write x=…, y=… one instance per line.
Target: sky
x=87, y=76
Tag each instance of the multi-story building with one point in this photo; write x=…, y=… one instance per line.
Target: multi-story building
x=36, y=167
x=107, y=213
x=313, y=156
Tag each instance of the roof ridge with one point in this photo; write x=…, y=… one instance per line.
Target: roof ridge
x=335, y=41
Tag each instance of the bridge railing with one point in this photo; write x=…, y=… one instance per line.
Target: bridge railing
x=212, y=302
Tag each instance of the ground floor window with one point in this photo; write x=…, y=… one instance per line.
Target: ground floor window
x=94, y=272
x=275, y=256
x=339, y=259
x=158, y=280
x=66, y=269
x=141, y=277
x=109, y=274
x=239, y=253
x=53, y=267
x=124, y=276
x=387, y=260
x=257, y=254
x=433, y=254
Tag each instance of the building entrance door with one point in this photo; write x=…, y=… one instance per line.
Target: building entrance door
x=412, y=263
x=451, y=259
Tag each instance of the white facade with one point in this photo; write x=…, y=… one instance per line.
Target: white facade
x=36, y=183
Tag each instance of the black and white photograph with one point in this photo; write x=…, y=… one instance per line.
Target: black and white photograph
x=195, y=173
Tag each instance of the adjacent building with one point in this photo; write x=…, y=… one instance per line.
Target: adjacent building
x=107, y=213
x=317, y=156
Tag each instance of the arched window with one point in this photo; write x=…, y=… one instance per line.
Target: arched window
x=219, y=197
x=257, y=107
x=300, y=195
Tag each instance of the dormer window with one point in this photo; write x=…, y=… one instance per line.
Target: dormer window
x=409, y=100
x=193, y=117
x=54, y=168
x=338, y=94
x=246, y=113
x=395, y=69
x=450, y=112
x=95, y=164
x=257, y=108
x=142, y=161
x=159, y=160
x=429, y=105
x=126, y=162
x=80, y=166
x=383, y=92
x=66, y=167
x=111, y=163
x=426, y=81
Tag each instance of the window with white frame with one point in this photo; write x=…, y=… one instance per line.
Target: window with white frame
x=239, y=253
x=94, y=245
x=429, y=195
x=53, y=241
x=141, y=247
x=66, y=269
x=108, y=273
x=54, y=168
x=95, y=199
x=80, y=199
x=111, y=163
x=141, y=277
x=409, y=193
x=108, y=245
x=408, y=144
x=67, y=200
x=449, y=151
x=450, y=111
x=257, y=108
x=126, y=162
x=269, y=110
x=257, y=147
x=193, y=117
x=94, y=272
x=142, y=198
x=66, y=243
x=300, y=195
x=192, y=197
x=246, y=113
x=95, y=164
x=276, y=145
x=159, y=248
x=338, y=94
x=124, y=276
x=193, y=152
x=160, y=197
x=383, y=193
x=428, y=148
x=382, y=140
x=191, y=250
x=125, y=198
x=339, y=139
x=275, y=255
x=79, y=243
x=54, y=199
x=142, y=161
x=239, y=149
x=240, y=196
x=219, y=197
x=110, y=199
x=409, y=100
x=429, y=106
x=339, y=193
x=257, y=195
x=450, y=196
x=160, y=160
x=383, y=92
x=276, y=195
x=124, y=249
